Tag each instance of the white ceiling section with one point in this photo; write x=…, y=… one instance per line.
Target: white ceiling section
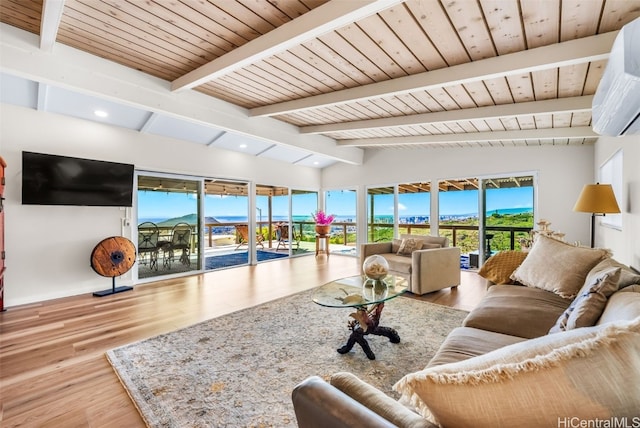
x=314, y=82
x=70, y=103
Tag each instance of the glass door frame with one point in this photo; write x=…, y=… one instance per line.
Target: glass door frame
x=292, y=194
x=199, y=217
x=370, y=230
x=482, y=202
x=323, y=204
x=226, y=188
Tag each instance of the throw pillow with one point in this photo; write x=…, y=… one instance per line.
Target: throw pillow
x=622, y=305
x=585, y=310
x=557, y=266
x=408, y=246
x=586, y=373
x=498, y=268
x=627, y=276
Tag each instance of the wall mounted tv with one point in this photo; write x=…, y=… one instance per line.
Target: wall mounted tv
x=61, y=180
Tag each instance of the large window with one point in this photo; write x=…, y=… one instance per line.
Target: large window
x=343, y=204
x=380, y=214
x=414, y=208
x=505, y=219
x=406, y=205
x=458, y=213
x=508, y=218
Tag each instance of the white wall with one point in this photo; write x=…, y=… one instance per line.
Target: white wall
x=48, y=248
x=624, y=243
x=561, y=170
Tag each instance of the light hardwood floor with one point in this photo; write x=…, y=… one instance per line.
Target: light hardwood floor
x=53, y=372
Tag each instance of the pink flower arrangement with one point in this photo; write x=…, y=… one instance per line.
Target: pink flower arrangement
x=322, y=219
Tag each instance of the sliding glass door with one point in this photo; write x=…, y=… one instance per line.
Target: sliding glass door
x=414, y=208
x=458, y=214
x=168, y=226
x=343, y=204
x=508, y=212
x=381, y=215
x=303, y=204
x=273, y=221
x=226, y=224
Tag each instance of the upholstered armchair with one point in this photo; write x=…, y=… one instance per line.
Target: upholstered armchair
x=433, y=267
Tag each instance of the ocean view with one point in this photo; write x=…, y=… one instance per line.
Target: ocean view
x=409, y=219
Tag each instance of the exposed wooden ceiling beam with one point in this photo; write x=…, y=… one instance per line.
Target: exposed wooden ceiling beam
x=578, y=51
x=88, y=74
x=528, y=134
x=50, y=22
x=552, y=106
x=323, y=19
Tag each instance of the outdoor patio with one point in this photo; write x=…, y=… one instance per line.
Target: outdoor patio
x=225, y=253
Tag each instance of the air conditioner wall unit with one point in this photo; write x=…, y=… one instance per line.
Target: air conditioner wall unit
x=616, y=104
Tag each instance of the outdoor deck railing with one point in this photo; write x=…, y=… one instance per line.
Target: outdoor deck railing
x=511, y=230
x=346, y=230
x=303, y=228
x=342, y=229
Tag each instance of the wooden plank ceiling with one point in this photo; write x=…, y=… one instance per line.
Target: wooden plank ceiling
x=395, y=74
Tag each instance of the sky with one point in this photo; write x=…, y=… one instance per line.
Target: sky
x=159, y=205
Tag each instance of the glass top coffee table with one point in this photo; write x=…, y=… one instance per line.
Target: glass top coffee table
x=367, y=297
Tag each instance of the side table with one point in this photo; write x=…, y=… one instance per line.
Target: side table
x=325, y=248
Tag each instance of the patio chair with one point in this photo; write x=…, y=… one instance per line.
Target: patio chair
x=148, y=234
x=284, y=242
x=180, y=240
x=242, y=236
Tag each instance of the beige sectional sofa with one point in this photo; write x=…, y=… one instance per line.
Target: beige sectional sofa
x=428, y=262
x=553, y=353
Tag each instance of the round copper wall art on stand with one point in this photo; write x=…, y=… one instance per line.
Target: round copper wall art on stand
x=113, y=257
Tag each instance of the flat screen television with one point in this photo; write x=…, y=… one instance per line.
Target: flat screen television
x=62, y=180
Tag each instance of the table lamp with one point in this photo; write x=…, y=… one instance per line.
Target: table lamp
x=597, y=199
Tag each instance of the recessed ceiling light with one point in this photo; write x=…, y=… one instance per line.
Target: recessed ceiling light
x=101, y=113
x=316, y=163
x=243, y=146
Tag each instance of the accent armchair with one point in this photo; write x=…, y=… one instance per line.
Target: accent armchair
x=432, y=268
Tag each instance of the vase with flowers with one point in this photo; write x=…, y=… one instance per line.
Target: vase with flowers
x=323, y=222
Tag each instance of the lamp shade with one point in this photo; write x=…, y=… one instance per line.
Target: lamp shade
x=597, y=198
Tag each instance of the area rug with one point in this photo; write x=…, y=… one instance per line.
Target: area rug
x=239, y=370
x=241, y=257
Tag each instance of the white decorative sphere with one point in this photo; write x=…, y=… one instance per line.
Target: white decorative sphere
x=375, y=267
